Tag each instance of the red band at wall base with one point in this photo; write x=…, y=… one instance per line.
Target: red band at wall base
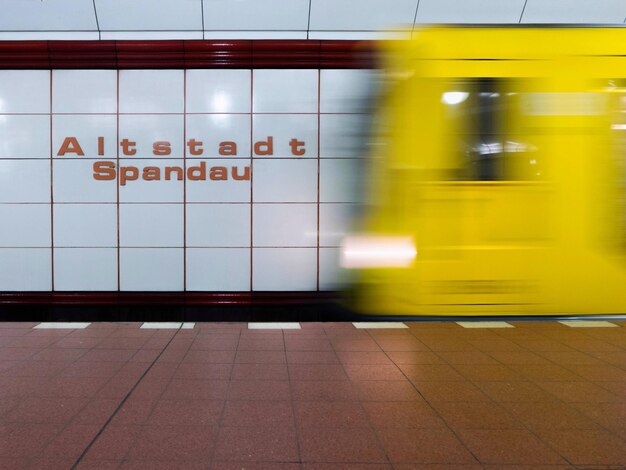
x=187, y=54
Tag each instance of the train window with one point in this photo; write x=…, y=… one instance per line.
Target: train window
x=478, y=112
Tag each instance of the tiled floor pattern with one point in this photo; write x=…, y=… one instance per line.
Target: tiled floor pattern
x=328, y=395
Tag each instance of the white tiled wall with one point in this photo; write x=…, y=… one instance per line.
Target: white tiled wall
x=277, y=229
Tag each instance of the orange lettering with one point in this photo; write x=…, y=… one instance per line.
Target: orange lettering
x=195, y=147
x=104, y=171
x=161, y=148
x=218, y=173
x=264, y=147
x=128, y=173
x=228, y=148
x=71, y=145
x=197, y=173
x=173, y=169
x=234, y=171
x=294, y=144
x=151, y=173
x=126, y=147
x=100, y=145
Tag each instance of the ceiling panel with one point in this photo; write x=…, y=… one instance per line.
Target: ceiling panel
x=575, y=11
x=142, y=15
x=364, y=15
x=49, y=15
x=256, y=15
x=469, y=11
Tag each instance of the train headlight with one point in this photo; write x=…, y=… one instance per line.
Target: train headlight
x=377, y=251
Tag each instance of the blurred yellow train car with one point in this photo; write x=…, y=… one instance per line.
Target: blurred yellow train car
x=498, y=178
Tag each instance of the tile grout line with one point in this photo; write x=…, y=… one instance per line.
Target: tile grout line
x=251, y=180
x=119, y=406
x=223, y=411
x=493, y=402
x=371, y=427
x=142, y=424
x=88, y=400
x=319, y=91
x=291, y=401
x=156, y=400
x=423, y=397
x=185, y=178
x=117, y=184
x=51, y=193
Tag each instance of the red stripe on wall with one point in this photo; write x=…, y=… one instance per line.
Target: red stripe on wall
x=162, y=298
x=192, y=54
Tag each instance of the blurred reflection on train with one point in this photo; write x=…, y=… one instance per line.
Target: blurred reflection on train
x=498, y=178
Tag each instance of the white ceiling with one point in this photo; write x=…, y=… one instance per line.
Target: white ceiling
x=278, y=19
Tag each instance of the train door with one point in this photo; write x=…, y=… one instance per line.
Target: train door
x=483, y=208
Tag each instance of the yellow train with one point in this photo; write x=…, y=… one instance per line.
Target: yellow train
x=498, y=179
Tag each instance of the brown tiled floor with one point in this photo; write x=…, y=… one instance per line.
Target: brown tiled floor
x=328, y=396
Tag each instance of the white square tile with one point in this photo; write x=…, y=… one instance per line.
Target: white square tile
x=151, y=225
x=218, y=269
x=213, y=129
x=344, y=135
x=26, y=136
x=146, y=129
x=278, y=225
x=188, y=326
x=74, y=182
x=588, y=324
x=218, y=225
x=274, y=326
x=347, y=91
x=62, y=326
x=290, y=134
x=25, y=181
x=285, y=180
x=284, y=91
x=161, y=325
x=252, y=14
x=151, y=269
x=84, y=91
x=25, y=225
x=25, y=269
x=85, y=269
x=218, y=91
x=151, y=91
x=341, y=180
x=335, y=221
x=340, y=15
x=86, y=130
x=24, y=91
x=217, y=190
x=332, y=277
x=484, y=324
x=168, y=188
x=168, y=15
x=380, y=325
x=470, y=11
x=85, y=225
x=284, y=269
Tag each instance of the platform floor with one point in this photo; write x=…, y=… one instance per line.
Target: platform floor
x=225, y=396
